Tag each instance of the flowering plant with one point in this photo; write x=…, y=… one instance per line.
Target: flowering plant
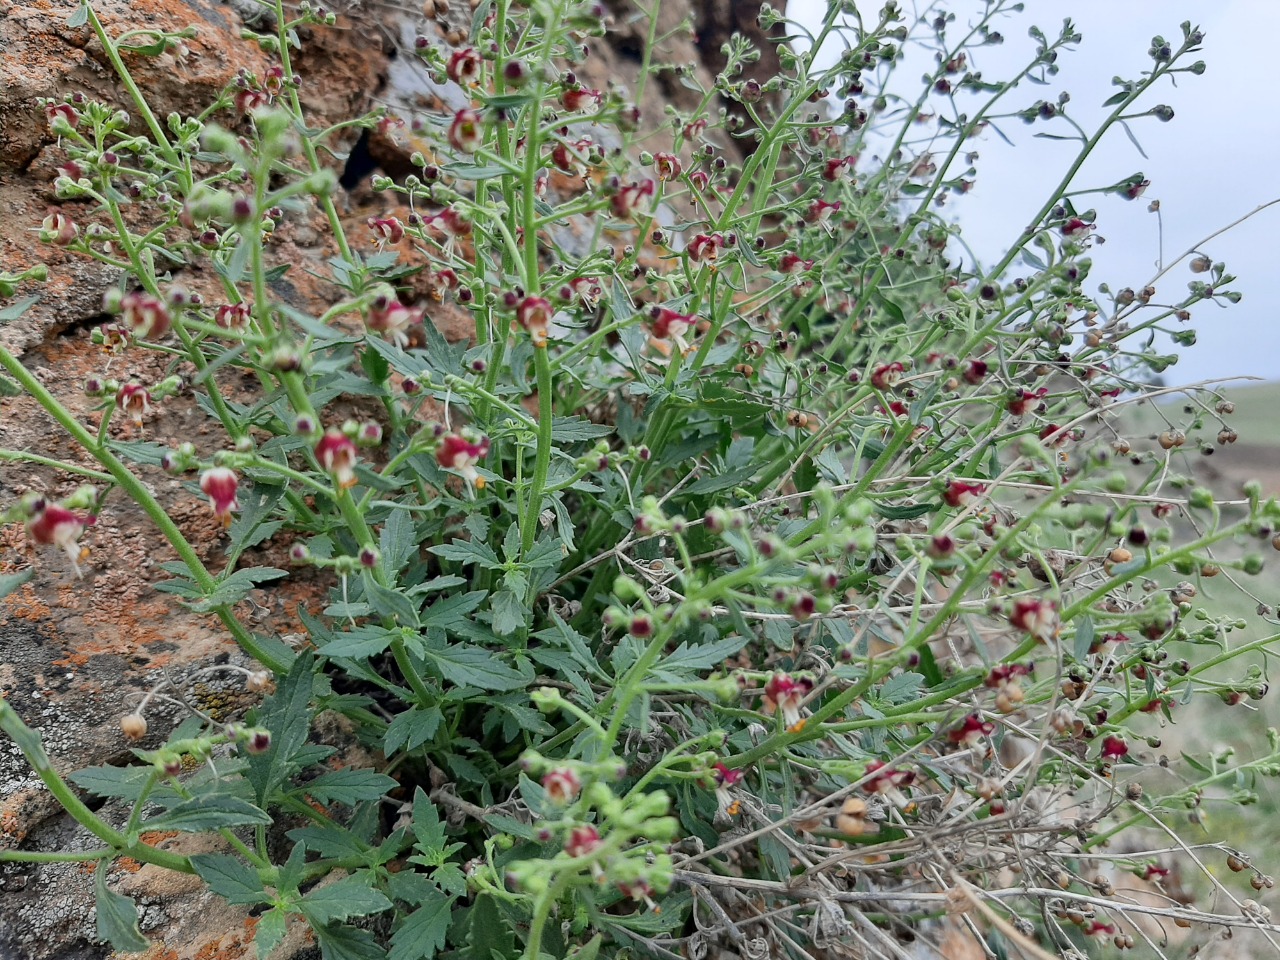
x=756, y=574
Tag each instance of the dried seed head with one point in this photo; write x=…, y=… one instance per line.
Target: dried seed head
x=133, y=726
x=260, y=681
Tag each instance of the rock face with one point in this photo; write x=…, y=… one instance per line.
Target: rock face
x=77, y=654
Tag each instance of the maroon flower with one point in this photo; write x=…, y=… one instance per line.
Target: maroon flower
x=562, y=786
x=458, y=453
x=534, y=314
x=725, y=779
x=391, y=318
x=71, y=170
x=144, y=316
x=1005, y=674
x=466, y=133
x=1137, y=189
x=640, y=890
x=389, y=126
x=1054, y=435
x=233, y=317
x=1035, y=616
x=786, y=693
x=248, y=100
x=581, y=100
x=463, y=67
x=793, y=263
x=386, y=230
x=1113, y=748
x=134, y=400
x=449, y=222
x=706, y=248
x=626, y=199
x=820, y=211
x=971, y=731
x=569, y=157
x=220, y=484
x=694, y=129
x=886, y=780
x=442, y=281
x=896, y=408
x=59, y=229
x=588, y=290
x=669, y=323
x=52, y=524
x=58, y=113
x=886, y=375
x=668, y=166
x=582, y=841
x=337, y=454
x=1075, y=227
x=1022, y=401
x=836, y=168
x=961, y=493
x=975, y=372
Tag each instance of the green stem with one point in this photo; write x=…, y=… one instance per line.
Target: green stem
x=28, y=741
x=138, y=492
x=157, y=132
x=23, y=456
x=542, y=459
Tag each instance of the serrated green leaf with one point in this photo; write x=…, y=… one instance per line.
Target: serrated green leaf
x=117, y=916
x=687, y=659
x=357, y=643
x=390, y=603
x=411, y=729
x=470, y=666
x=900, y=689
x=423, y=933
x=428, y=828
x=349, y=786
x=468, y=551
x=398, y=541
x=142, y=452
x=472, y=172
x=908, y=511
x=236, y=587
x=569, y=429
x=509, y=613
x=269, y=932
x=349, y=897
x=1084, y=636
x=489, y=935
x=328, y=841
x=209, y=812
x=229, y=878
x=287, y=714
x=15, y=310
x=563, y=635
x=452, y=611
x=344, y=942
x=10, y=582
x=106, y=781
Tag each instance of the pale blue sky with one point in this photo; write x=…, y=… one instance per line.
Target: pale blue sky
x=1209, y=166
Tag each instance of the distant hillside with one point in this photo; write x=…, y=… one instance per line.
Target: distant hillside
x=1255, y=455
